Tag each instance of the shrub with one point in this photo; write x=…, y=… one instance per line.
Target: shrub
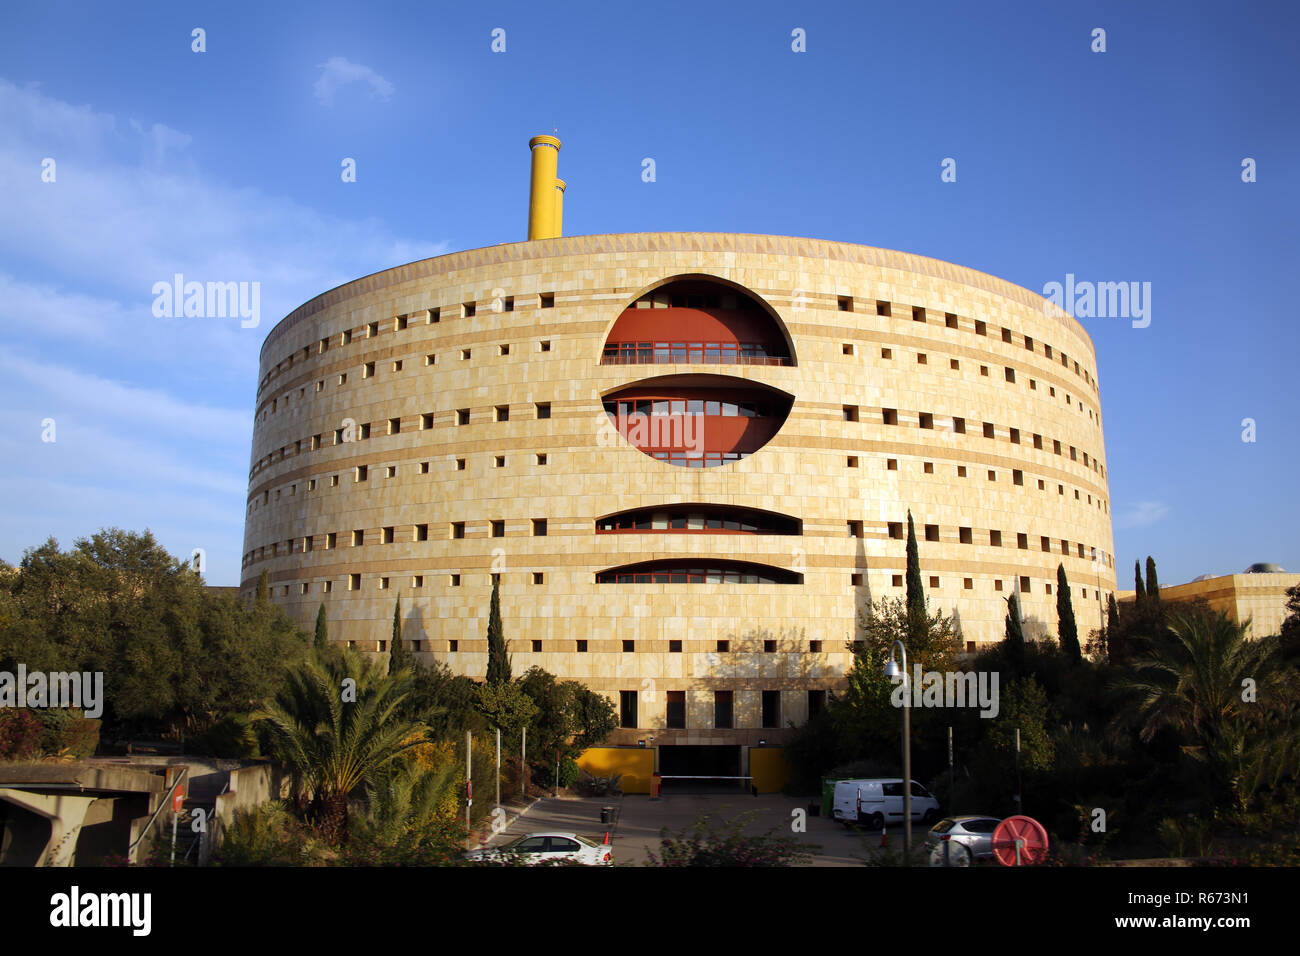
x=233, y=736
x=20, y=734
x=269, y=835
x=728, y=845
x=81, y=739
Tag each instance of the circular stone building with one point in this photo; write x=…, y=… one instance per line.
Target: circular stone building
x=689, y=457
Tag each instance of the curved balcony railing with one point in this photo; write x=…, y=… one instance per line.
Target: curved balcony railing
x=690, y=353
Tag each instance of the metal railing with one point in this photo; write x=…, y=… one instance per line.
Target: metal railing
x=695, y=359
x=166, y=802
x=206, y=832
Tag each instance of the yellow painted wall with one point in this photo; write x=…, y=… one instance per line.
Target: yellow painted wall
x=636, y=764
x=768, y=768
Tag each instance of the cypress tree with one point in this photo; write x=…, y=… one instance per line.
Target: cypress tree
x=917, y=621
x=398, y=659
x=1153, y=585
x=1066, y=628
x=1015, y=634
x=1141, y=596
x=262, y=598
x=322, y=635
x=1114, y=639
x=498, y=668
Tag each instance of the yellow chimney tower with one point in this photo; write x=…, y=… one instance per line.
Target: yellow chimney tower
x=559, y=207
x=542, y=205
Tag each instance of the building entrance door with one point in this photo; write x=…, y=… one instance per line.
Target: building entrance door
x=701, y=769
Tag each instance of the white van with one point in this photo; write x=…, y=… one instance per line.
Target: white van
x=876, y=802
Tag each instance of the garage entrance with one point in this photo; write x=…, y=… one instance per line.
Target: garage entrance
x=708, y=764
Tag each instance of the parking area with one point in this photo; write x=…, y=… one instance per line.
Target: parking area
x=640, y=820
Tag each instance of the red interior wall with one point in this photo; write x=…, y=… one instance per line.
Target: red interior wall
x=697, y=325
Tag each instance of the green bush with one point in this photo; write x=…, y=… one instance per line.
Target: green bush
x=727, y=844
x=269, y=835
x=234, y=736
x=20, y=734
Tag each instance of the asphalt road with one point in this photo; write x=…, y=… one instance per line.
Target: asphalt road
x=640, y=820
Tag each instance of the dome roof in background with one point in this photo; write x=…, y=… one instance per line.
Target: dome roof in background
x=1265, y=568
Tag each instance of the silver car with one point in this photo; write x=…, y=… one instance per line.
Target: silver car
x=549, y=847
x=961, y=841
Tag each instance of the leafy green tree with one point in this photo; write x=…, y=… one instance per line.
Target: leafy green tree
x=865, y=720
x=570, y=717
x=240, y=661
x=322, y=640
x=336, y=726
x=1024, y=707
x=176, y=658
x=398, y=656
x=916, y=609
x=444, y=701
x=1066, y=627
x=934, y=647
x=498, y=667
x=506, y=706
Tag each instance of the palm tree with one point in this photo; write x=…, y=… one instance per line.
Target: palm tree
x=405, y=800
x=1205, y=679
x=336, y=725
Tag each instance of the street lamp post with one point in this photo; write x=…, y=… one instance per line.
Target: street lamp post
x=892, y=671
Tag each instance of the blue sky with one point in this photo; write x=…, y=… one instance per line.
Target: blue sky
x=225, y=165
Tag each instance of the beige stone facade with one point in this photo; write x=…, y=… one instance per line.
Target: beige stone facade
x=396, y=361
x=1254, y=597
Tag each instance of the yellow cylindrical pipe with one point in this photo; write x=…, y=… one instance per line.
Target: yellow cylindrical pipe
x=541, y=194
x=559, y=207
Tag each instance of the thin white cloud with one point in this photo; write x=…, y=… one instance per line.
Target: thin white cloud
x=153, y=416
x=338, y=72
x=41, y=310
x=110, y=401
x=1141, y=514
x=118, y=219
x=159, y=140
x=52, y=122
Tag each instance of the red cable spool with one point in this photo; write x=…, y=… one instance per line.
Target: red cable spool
x=1025, y=831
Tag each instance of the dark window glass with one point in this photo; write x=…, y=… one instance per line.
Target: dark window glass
x=676, y=716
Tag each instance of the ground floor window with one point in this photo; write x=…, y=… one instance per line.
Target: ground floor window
x=771, y=708
x=816, y=701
